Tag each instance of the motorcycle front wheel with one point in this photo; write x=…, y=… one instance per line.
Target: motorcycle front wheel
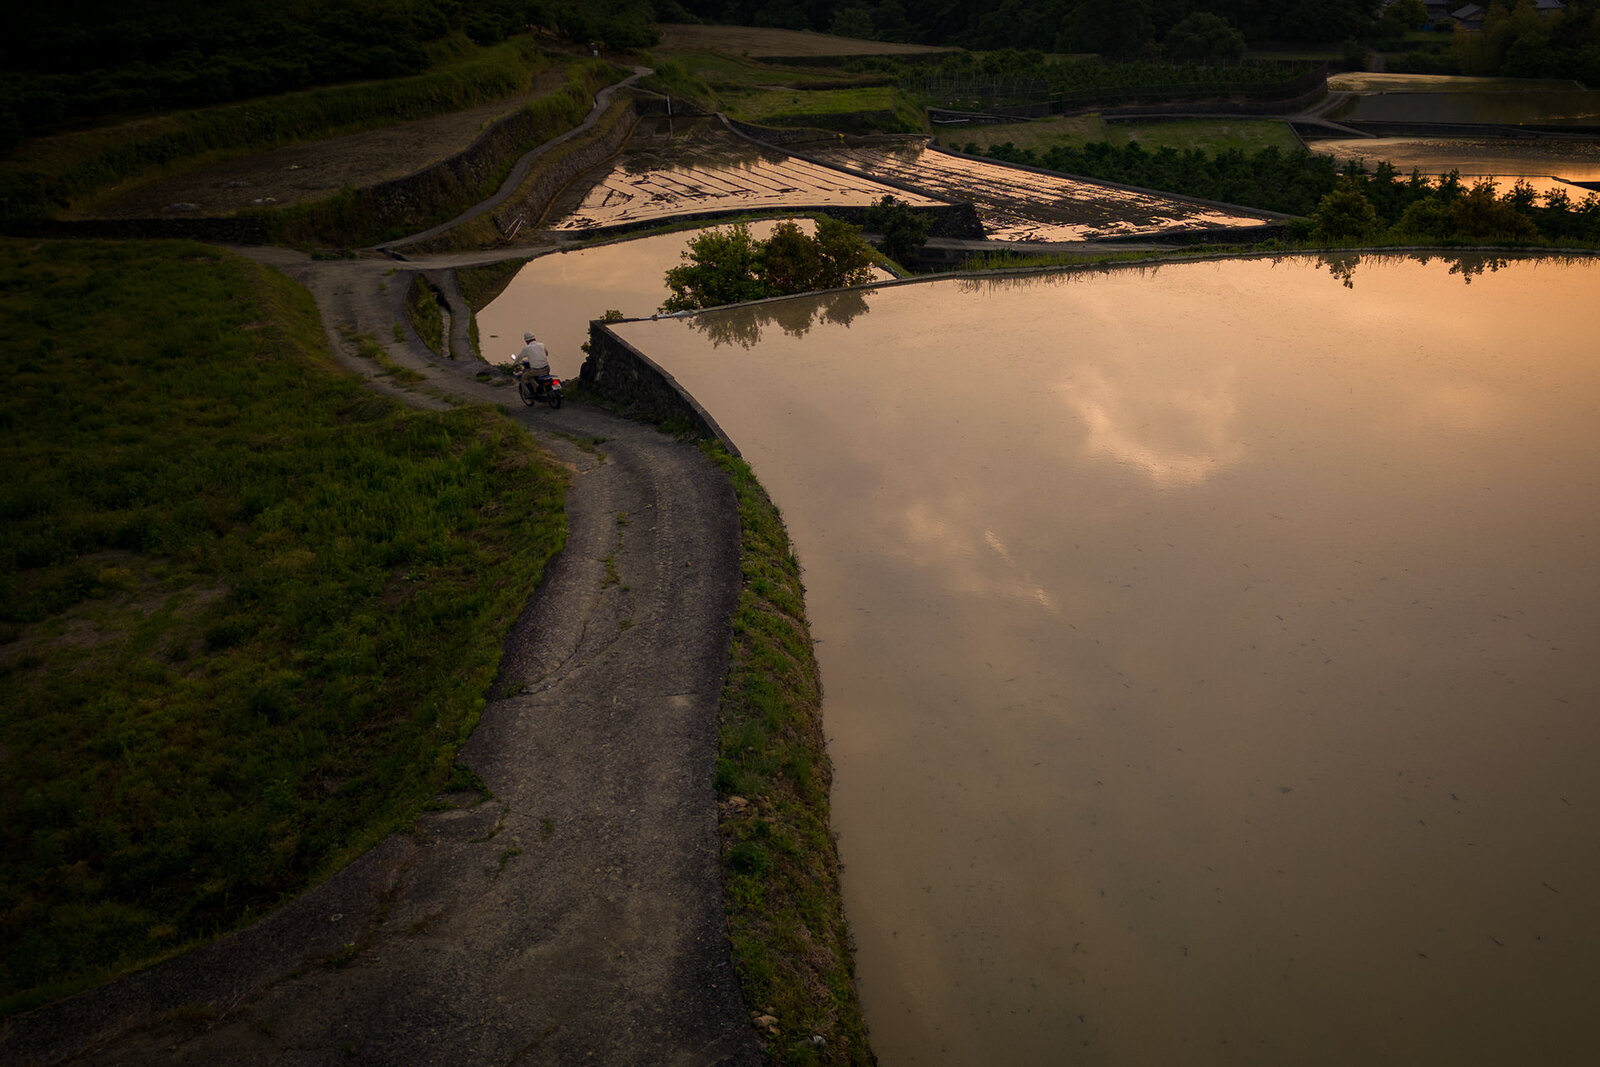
x=525, y=390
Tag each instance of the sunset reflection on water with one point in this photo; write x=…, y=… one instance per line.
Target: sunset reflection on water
x=1207, y=652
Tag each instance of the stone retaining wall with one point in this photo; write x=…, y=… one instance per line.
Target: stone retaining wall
x=620, y=373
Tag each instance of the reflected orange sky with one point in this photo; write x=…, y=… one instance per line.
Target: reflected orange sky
x=1207, y=653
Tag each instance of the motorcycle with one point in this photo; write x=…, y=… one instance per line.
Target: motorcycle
x=536, y=387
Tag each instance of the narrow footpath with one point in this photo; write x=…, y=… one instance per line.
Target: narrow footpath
x=575, y=917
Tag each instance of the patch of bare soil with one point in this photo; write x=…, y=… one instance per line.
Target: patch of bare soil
x=314, y=169
x=751, y=41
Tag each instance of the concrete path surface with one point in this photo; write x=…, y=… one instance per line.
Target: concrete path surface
x=574, y=918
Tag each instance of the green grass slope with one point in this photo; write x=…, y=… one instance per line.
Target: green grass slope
x=248, y=609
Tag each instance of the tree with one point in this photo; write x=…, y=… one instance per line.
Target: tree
x=843, y=258
x=1479, y=215
x=903, y=231
x=730, y=266
x=719, y=267
x=1205, y=38
x=1403, y=16
x=1344, y=215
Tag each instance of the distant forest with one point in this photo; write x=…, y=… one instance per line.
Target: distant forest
x=64, y=62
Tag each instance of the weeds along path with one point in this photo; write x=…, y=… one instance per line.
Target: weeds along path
x=574, y=917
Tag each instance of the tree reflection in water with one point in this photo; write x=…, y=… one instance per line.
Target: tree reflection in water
x=795, y=316
x=1468, y=265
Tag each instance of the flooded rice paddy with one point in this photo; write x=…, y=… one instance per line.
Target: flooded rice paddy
x=684, y=166
x=1546, y=164
x=556, y=295
x=1022, y=205
x=1208, y=650
x=1497, y=101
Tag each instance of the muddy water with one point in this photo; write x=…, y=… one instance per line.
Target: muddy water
x=1209, y=653
x=1546, y=165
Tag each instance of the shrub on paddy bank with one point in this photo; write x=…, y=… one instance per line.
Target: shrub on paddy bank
x=250, y=609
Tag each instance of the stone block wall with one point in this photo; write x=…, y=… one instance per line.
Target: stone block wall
x=620, y=373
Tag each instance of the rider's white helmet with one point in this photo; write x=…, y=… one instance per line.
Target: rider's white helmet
x=527, y=337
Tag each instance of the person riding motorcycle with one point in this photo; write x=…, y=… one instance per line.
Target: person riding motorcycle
x=534, y=359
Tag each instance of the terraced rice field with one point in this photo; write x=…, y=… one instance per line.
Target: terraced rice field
x=663, y=174
x=1024, y=205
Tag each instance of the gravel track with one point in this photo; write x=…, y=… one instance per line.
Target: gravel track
x=577, y=915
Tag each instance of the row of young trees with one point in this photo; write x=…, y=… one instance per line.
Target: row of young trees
x=1349, y=202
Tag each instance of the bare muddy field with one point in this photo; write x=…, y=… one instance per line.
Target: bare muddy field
x=315, y=169
x=1021, y=205
x=1213, y=681
x=682, y=166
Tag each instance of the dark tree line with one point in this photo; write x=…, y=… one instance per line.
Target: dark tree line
x=1519, y=42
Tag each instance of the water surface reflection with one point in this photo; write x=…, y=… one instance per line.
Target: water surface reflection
x=556, y=295
x=1207, y=652
x=1546, y=165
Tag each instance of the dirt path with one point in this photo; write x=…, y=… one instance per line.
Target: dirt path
x=576, y=916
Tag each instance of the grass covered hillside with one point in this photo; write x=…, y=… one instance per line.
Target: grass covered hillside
x=248, y=609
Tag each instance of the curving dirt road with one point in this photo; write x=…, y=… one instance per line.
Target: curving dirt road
x=574, y=918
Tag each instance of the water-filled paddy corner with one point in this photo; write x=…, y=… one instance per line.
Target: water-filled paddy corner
x=1205, y=652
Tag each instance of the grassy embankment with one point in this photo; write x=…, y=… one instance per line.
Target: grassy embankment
x=47, y=174
x=426, y=317
x=791, y=943
x=248, y=608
